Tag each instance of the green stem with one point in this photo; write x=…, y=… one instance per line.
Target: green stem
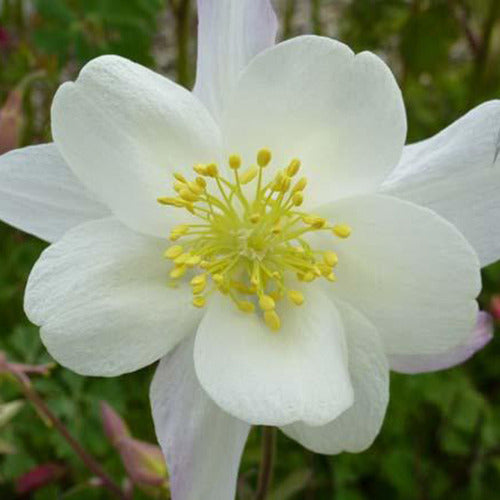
x=268, y=456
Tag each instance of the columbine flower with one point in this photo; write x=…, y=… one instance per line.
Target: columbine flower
x=309, y=252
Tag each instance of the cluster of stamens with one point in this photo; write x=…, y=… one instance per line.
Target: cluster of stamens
x=245, y=248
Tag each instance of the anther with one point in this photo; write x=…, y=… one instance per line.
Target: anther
x=180, y=178
x=296, y=297
x=188, y=195
x=300, y=186
x=293, y=168
x=342, y=230
x=212, y=170
x=173, y=252
x=235, y=162
x=331, y=258
x=249, y=175
x=264, y=157
x=200, y=169
x=199, y=301
x=272, y=320
x=297, y=199
x=266, y=303
x=245, y=306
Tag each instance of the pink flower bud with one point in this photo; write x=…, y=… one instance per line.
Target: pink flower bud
x=39, y=477
x=144, y=462
x=114, y=426
x=495, y=307
x=11, y=121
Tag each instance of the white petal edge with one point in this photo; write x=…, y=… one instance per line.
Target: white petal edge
x=275, y=378
x=41, y=196
x=356, y=429
x=477, y=340
x=124, y=130
x=101, y=297
x=456, y=173
x=312, y=98
x=202, y=444
x=230, y=34
x=409, y=271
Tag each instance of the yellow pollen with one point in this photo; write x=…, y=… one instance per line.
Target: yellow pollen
x=248, y=244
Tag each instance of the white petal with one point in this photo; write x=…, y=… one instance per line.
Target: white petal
x=410, y=272
x=230, y=34
x=312, y=98
x=101, y=297
x=123, y=130
x=457, y=174
x=275, y=378
x=478, y=338
x=356, y=429
x=40, y=195
x=202, y=444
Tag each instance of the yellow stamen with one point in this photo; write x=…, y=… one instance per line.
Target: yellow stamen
x=248, y=248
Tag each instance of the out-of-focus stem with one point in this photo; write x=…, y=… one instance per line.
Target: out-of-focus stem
x=267, y=462
x=182, y=13
x=86, y=458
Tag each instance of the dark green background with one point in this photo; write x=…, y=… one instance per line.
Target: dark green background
x=441, y=434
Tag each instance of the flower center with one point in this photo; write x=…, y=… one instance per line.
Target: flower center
x=249, y=241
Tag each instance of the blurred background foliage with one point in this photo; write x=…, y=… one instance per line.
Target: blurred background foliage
x=442, y=432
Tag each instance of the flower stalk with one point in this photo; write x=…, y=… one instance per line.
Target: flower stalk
x=35, y=399
x=268, y=456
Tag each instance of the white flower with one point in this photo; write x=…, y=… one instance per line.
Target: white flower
x=403, y=291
